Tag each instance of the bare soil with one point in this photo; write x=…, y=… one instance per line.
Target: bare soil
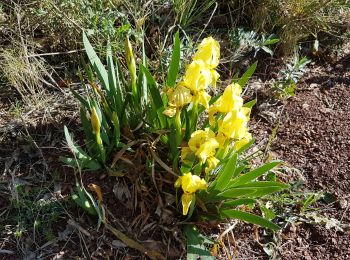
x=313, y=135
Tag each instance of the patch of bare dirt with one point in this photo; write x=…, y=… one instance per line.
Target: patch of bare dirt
x=314, y=136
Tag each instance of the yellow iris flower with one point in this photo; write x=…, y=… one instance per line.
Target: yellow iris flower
x=209, y=52
x=207, y=150
x=229, y=101
x=190, y=184
x=185, y=152
x=212, y=163
x=197, y=77
x=202, y=98
x=234, y=124
x=177, y=98
x=203, y=144
x=240, y=143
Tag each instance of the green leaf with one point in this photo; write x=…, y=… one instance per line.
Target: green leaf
x=78, y=152
x=267, y=212
x=252, y=175
x=80, y=198
x=267, y=50
x=82, y=100
x=226, y=172
x=271, y=41
x=236, y=193
x=175, y=62
x=96, y=62
x=250, y=104
x=238, y=202
x=157, y=102
x=246, y=147
x=196, y=248
x=90, y=165
x=239, y=170
x=116, y=134
x=249, y=192
x=248, y=217
x=90, y=137
x=265, y=184
x=246, y=76
x=115, y=92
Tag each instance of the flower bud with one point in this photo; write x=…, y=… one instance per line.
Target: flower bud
x=95, y=121
x=130, y=61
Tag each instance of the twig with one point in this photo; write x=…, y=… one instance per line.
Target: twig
x=154, y=255
x=74, y=224
x=53, y=53
x=206, y=24
x=123, y=150
x=161, y=163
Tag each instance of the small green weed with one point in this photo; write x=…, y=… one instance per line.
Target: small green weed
x=33, y=213
x=285, y=85
x=248, y=41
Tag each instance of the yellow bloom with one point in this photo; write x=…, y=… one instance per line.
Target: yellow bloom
x=177, y=98
x=130, y=60
x=209, y=52
x=170, y=111
x=240, y=143
x=212, y=163
x=199, y=137
x=203, y=144
x=207, y=149
x=95, y=121
x=96, y=125
x=229, y=101
x=186, y=200
x=214, y=77
x=197, y=77
x=202, y=98
x=234, y=124
x=190, y=184
x=180, y=96
x=221, y=138
x=185, y=152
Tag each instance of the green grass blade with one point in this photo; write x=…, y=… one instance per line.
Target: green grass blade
x=248, y=217
x=265, y=184
x=246, y=76
x=82, y=100
x=157, y=102
x=226, y=172
x=79, y=153
x=175, y=63
x=252, y=175
x=237, y=192
x=114, y=94
x=250, y=104
x=249, y=192
x=238, y=202
x=96, y=62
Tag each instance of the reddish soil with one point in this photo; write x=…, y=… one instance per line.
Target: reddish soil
x=314, y=137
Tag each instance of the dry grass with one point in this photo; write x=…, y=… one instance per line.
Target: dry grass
x=21, y=67
x=293, y=20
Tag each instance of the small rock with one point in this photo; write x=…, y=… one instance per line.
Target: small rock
x=118, y=244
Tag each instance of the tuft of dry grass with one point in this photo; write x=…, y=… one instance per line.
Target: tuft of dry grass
x=25, y=74
x=293, y=20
